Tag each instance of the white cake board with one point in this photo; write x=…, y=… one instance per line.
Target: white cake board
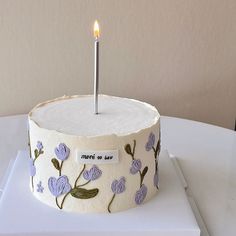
x=168, y=214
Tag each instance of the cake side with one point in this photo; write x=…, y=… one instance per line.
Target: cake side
x=60, y=180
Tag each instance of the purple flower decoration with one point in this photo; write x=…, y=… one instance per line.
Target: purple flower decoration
x=39, y=146
x=92, y=174
x=32, y=168
x=151, y=141
x=118, y=186
x=40, y=188
x=156, y=179
x=59, y=186
x=136, y=166
x=141, y=194
x=62, y=152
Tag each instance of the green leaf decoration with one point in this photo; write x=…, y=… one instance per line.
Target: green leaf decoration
x=83, y=193
x=36, y=153
x=144, y=172
x=128, y=149
x=56, y=164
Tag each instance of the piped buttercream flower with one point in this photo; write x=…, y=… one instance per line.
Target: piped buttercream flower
x=62, y=152
x=118, y=186
x=92, y=174
x=141, y=194
x=151, y=141
x=59, y=186
x=136, y=166
x=40, y=188
x=39, y=146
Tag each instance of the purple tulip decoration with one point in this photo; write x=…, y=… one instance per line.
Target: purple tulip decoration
x=141, y=194
x=40, y=188
x=59, y=186
x=39, y=146
x=32, y=168
x=92, y=174
x=118, y=186
x=136, y=166
x=62, y=152
x=151, y=141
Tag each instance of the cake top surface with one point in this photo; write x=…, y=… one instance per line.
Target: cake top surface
x=74, y=115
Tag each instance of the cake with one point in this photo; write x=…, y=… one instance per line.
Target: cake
x=82, y=162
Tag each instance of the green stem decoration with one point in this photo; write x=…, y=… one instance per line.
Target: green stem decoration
x=57, y=203
x=156, y=154
x=37, y=153
x=81, y=185
x=109, y=206
x=154, y=150
x=62, y=202
x=29, y=145
x=131, y=153
x=141, y=179
x=79, y=175
x=128, y=149
x=140, y=174
x=60, y=168
x=134, y=149
x=75, y=185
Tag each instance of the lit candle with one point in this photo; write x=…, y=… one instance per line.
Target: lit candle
x=96, y=66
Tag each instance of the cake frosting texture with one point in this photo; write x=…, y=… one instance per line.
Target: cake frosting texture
x=83, y=162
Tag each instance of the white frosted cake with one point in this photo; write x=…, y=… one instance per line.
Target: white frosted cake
x=82, y=162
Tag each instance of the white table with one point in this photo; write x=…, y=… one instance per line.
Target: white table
x=207, y=157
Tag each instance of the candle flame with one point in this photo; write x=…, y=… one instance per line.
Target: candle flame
x=96, y=29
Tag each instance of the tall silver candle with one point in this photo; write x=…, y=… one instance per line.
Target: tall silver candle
x=96, y=66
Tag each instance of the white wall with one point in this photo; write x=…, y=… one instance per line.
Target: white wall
x=179, y=55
